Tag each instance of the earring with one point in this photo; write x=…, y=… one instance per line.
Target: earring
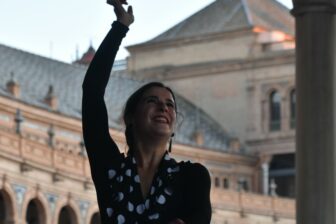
x=171, y=142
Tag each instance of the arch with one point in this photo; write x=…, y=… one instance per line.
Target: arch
x=3, y=212
x=282, y=170
x=292, y=108
x=95, y=218
x=35, y=213
x=8, y=200
x=67, y=216
x=275, y=111
x=35, y=201
x=66, y=206
x=91, y=212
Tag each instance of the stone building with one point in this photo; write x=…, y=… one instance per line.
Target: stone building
x=227, y=124
x=235, y=60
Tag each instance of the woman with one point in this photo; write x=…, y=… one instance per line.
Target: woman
x=146, y=186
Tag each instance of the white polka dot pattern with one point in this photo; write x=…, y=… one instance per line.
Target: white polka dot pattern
x=168, y=191
x=111, y=173
x=159, y=182
x=137, y=179
x=154, y=216
x=128, y=172
x=161, y=199
x=126, y=187
x=130, y=207
x=109, y=212
x=152, y=190
x=173, y=170
x=120, y=196
x=120, y=179
x=147, y=204
x=140, y=209
x=121, y=219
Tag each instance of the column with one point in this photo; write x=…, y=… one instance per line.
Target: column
x=265, y=160
x=265, y=178
x=316, y=122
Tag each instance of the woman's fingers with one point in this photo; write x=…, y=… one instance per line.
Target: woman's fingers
x=123, y=16
x=116, y=4
x=130, y=10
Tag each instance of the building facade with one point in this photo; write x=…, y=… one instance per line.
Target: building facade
x=240, y=123
x=236, y=61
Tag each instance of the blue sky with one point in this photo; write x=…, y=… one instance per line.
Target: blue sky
x=57, y=28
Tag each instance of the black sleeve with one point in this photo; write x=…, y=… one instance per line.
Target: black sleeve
x=98, y=142
x=198, y=195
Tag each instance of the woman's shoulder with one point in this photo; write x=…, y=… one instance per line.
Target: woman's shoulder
x=194, y=171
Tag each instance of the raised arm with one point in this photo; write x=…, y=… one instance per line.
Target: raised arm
x=98, y=142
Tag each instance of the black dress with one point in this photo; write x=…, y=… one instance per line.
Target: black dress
x=179, y=190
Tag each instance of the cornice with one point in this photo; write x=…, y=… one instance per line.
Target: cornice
x=272, y=138
x=217, y=67
x=40, y=114
x=191, y=40
x=203, y=155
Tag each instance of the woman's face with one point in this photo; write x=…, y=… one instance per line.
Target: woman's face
x=155, y=113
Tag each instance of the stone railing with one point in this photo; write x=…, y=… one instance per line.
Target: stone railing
x=248, y=203
x=31, y=153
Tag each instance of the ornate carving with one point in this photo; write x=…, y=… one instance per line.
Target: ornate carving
x=57, y=177
x=20, y=192
x=18, y=120
x=24, y=167
x=88, y=185
x=52, y=201
x=83, y=207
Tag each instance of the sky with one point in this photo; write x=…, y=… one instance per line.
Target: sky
x=63, y=29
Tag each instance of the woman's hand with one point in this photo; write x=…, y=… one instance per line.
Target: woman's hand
x=177, y=221
x=123, y=16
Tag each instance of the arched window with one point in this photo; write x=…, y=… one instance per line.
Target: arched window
x=95, y=218
x=275, y=111
x=33, y=215
x=67, y=216
x=6, y=208
x=292, y=108
x=2, y=209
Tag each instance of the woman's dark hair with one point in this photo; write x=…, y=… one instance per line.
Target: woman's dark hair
x=130, y=108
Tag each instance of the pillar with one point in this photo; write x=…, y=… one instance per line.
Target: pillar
x=265, y=178
x=316, y=123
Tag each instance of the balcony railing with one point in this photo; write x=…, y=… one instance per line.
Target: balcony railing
x=253, y=203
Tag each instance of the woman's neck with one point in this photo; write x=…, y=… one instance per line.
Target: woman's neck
x=149, y=155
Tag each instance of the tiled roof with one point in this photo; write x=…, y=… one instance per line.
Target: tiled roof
x=228, y=15
x=35, y=74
